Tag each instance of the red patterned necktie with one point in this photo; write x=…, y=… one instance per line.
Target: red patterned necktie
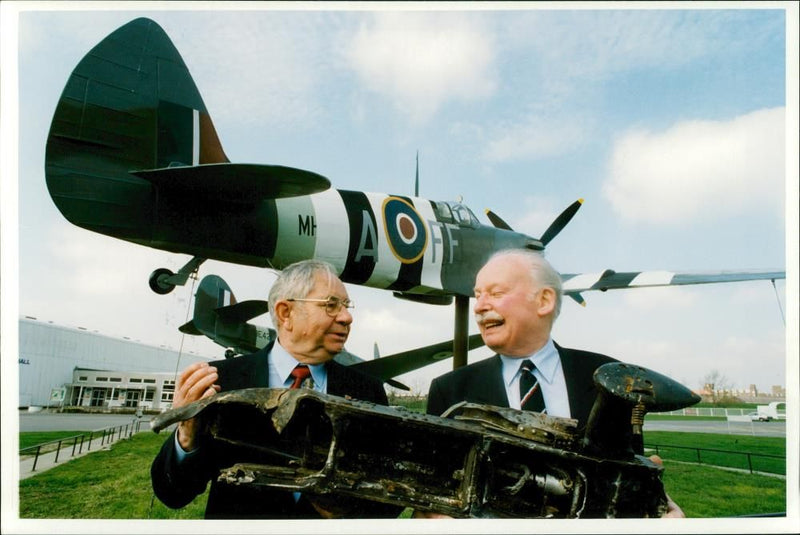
x=299, y=373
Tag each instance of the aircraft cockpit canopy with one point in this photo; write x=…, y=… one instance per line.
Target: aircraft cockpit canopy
x=455, y=212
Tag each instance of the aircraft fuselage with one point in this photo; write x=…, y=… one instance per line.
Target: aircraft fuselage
x=405, y=244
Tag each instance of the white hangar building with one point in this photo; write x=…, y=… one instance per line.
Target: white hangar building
x=65, y=366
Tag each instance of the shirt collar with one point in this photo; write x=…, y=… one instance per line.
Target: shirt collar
x=545, y=360
x=284, y=364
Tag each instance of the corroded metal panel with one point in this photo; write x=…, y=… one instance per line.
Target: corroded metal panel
x=479, y=461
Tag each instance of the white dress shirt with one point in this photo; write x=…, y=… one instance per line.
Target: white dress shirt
x=548, y=372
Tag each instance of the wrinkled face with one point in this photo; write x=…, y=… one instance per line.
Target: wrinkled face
x=307, y=331
x=512, y=314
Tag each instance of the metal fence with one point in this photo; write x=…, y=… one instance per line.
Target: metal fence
x=716, y=411
x=743, y=460
x=77, y=442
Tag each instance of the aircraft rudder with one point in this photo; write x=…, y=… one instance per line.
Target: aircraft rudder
x=129, y=104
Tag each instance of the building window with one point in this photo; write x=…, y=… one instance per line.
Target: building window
x=98, y=397
x=132, y=398
x=166, y=397
x=135, y=380
x=150, y=381
x=83, y=378
x=99, y=379
x=116, y=379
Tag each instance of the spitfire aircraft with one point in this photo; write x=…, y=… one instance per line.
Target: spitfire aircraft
x=132, y=153
x=219, y=316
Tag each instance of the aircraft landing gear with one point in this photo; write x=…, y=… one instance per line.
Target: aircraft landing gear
x=159, y=281
x=162, y=281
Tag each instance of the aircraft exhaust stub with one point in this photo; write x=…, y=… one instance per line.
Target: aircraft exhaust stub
x=482, y=461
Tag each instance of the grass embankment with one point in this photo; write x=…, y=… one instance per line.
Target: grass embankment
x=115, y=484
x=34, y=438
x=111, y=483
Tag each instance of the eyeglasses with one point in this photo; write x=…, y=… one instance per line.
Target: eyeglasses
x=332, y=304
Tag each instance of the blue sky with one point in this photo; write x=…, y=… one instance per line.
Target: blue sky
x=670, y=123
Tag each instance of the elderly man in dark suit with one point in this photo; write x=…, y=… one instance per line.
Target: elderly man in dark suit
x=309, y=306
x=517, y=299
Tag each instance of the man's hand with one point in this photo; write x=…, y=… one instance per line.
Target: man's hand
x=428, y=514
x=673, y=511
x=196, y=382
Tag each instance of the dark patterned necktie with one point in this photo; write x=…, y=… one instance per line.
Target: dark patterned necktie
x=299, y=373
x=530, y=394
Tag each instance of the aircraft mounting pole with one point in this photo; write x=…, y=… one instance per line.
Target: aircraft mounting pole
x=460, y=335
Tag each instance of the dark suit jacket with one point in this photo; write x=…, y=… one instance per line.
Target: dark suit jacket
x=178, y=484
x=482, y=382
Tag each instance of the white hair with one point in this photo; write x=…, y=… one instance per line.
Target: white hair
x=296, y=281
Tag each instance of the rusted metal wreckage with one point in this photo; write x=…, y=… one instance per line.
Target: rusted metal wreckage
x=475, y=461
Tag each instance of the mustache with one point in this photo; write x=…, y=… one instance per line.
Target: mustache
x=491, y=315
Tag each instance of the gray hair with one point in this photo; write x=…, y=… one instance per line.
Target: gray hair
x=542, y=273
x=296, y=281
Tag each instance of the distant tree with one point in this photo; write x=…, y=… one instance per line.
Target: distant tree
x=719, y=390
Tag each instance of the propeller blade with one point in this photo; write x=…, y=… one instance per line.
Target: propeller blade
x=497, y=221
x=578, y=298
x=560, y=222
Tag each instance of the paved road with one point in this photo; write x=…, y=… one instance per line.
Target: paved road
x=758, y=429
x=122, y=425
x=51, y=421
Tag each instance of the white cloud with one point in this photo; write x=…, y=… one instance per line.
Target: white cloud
x=536, y=136
x=419, y=61
x=700, y=169
x=253, y=70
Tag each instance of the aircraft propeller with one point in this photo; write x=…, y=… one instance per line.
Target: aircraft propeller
x=560, y=222
x=552, y=231
x=497, y=221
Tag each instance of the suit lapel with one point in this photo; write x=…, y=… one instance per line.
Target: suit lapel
x=581, y=392
x=335, y=383
x=493, y=393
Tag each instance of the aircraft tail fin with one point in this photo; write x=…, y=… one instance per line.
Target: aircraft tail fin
x=130, y=103
x=132, y=151
x=244, y=311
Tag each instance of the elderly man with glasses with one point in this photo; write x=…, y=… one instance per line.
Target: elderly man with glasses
x=310, y=310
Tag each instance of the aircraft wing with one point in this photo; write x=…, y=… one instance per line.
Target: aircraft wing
x=393, y=365
x=612, y=280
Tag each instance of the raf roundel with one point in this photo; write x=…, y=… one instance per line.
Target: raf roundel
x=405, y=230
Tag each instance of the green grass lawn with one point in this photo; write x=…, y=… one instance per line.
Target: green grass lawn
x=27, y=440
x=115, y=483
x=111, y=483
x=742, y=444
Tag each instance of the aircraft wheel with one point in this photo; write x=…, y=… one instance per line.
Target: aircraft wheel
x=158, y=281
